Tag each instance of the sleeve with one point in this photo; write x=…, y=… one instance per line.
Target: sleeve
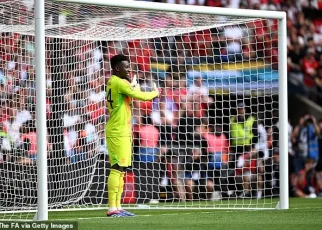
x=136, y=93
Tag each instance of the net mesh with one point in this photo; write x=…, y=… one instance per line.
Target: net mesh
x=83, y=22
x=195, y=143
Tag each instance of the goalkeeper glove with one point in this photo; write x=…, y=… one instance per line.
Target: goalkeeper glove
x=134, y=82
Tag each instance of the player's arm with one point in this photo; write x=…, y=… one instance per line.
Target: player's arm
x=135, y=92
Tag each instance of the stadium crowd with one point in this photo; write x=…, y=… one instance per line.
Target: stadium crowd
x=179, y=144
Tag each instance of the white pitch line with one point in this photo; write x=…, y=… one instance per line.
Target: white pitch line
x=307, y=208
x=163, y=214
x=146, y=215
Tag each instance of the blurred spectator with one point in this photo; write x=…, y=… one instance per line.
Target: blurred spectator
x=214, y=3
x=194, y=174
x=310, y=65
x=95, y=106
x=146, y=81
x=96, y=92
x=70, y=139
x=316, y=36
x=3, y=92
x=218, y=146
x=189, y=2
x=198, y=98
x=198, y=47
x=294, y=64
x=217, y=159
x=164, y=110
x=318, y=82
x=306, y=134
x=249, y=175
x=198, y=145
x=140, y=52
x=147, y=139
x=233, y=4
x=243, y=131
x=318, y=167
x=165, y=115
x=180, y=93
x=248, y=52
x=5, y=144
x=261, y=146
x=306, y=186
x=271, y=174
x=87, y=140
x=19, y=115
x=169, y=84
x=29, y=140
x=28, y=85
x=148, y=156
x=100, y=129
x=188, y=123
x=5, y=111
x=70, y=118
x=198, y=92
x=90, y=137
x=273, y=132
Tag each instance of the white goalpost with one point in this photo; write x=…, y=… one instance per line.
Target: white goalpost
x=217, y=138
x=40, y=64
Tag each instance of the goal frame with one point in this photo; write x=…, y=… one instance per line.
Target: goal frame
x=42, y=209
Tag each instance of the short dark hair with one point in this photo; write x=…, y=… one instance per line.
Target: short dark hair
x=117, y=59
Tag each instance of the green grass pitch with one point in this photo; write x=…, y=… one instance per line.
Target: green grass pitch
x=304, y=214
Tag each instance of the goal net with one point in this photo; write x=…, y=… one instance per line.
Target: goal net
x=209, y=141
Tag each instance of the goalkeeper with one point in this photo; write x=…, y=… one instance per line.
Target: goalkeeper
x=120, y=90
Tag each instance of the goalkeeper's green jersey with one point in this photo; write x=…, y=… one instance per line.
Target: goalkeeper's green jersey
x=119, y=102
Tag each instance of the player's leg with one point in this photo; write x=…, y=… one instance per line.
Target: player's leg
x=125, y=160
x=246, y=184
x=120, y=191
x=210, y=185
x=260, y=178
x=260, y=185
x=118, y=207
x=189, y=184
x=116, y=157
x=113, y=184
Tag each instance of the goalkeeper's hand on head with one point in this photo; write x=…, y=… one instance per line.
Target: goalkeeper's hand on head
x=134, y=82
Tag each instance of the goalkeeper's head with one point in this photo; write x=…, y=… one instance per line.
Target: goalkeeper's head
x=120, y=66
